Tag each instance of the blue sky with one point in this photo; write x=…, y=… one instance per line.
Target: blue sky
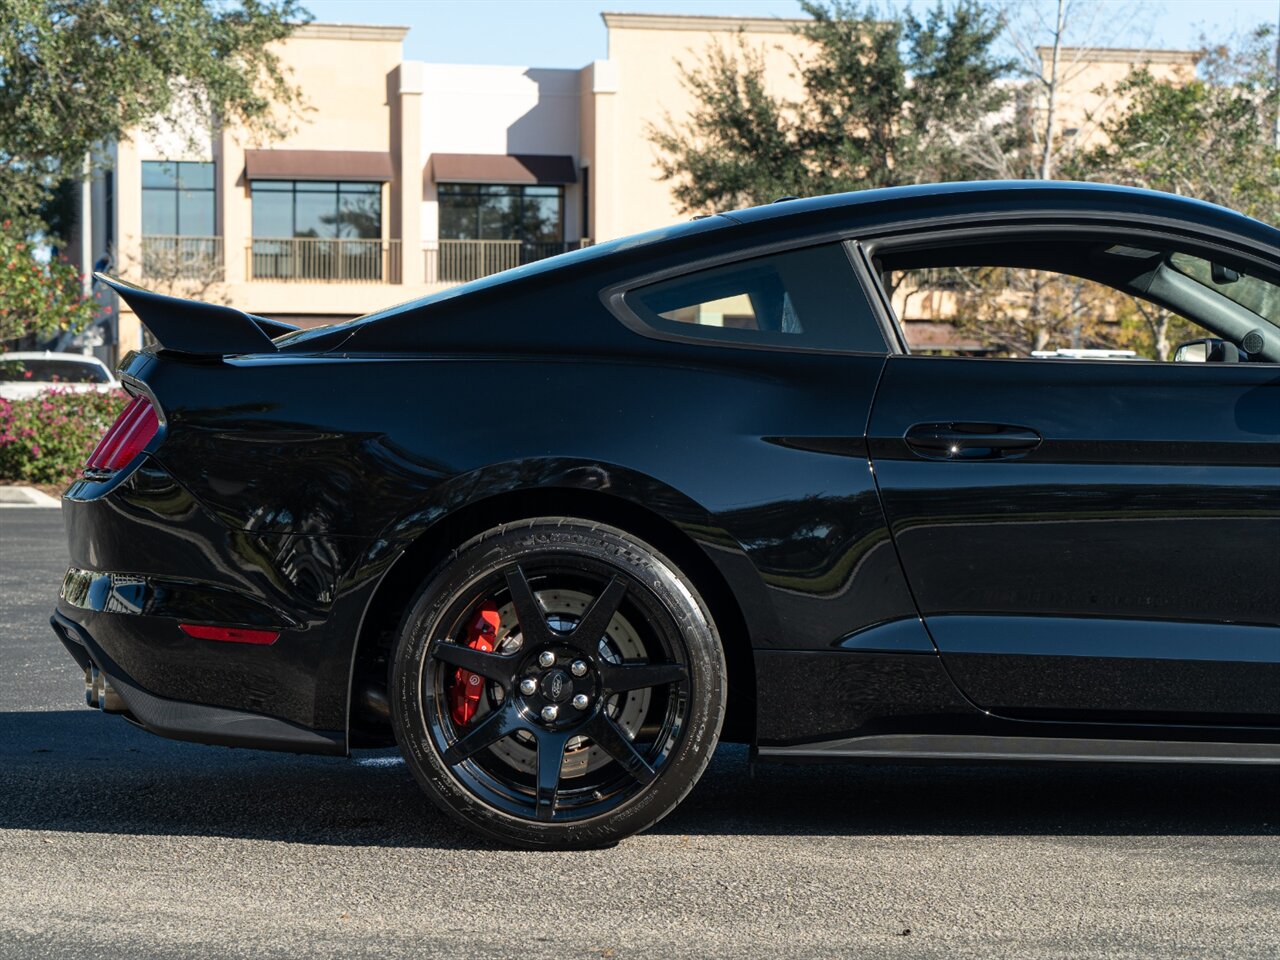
x=569, y=33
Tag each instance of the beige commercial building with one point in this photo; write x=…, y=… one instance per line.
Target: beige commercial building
x=398, y=178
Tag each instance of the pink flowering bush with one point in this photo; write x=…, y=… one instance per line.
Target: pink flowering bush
x=47, y=438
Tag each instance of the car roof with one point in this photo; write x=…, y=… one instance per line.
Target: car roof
x=997, y=195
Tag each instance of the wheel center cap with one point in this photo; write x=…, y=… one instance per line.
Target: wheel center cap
x=556, y=686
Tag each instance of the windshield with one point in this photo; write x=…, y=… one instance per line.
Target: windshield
x=1254, y=294
x=50, y=371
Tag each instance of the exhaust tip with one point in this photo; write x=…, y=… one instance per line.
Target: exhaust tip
x=374, y=702
x=100, y=694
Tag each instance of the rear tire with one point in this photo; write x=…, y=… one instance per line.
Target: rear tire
x=574, y=738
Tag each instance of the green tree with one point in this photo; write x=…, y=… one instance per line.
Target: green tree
x=77, y=74
x=886, y=102
x=36, y=293
x=1211, y=138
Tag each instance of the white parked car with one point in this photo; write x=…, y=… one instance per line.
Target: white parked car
x=1086, y=353
x=26, y=374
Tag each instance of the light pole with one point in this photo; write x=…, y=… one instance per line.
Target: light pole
x=1275, y=92
x=86, y=228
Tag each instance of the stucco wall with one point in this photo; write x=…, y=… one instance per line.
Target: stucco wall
x=499, y=110
x=648, y=53
x=345, y=74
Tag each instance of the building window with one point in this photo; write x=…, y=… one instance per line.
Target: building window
x=490, y=211
x=177, y=199
x=317, y=208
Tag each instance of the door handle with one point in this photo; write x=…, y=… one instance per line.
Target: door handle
x=971, y=441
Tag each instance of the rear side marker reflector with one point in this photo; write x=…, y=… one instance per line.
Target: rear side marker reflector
x=230, y=634
x=127, y=437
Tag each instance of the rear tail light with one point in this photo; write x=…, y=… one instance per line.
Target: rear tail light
x=132, y=431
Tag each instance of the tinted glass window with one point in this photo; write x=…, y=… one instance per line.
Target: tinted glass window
x=314, y=214
x=491, y=211
x=803, y=298
x=160, y=213
x=195, y=213
x=1070, y=298
x=316, y=208
x=1252, y=293
x=1013, y=312
x=178, y=199
x=159, y=174
x=272, y=212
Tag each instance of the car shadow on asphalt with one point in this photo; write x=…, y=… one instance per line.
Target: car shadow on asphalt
x=80, y=771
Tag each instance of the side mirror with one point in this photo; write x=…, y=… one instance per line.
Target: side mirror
x=1208, y=350
x=1196, y=351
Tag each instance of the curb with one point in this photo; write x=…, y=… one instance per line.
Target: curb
x=25, y=498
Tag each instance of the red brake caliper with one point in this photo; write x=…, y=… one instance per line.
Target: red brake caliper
x=464, y=697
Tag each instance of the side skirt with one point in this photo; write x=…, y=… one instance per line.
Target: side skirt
x=970, y=749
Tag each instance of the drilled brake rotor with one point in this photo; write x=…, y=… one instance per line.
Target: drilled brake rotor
x=564, y=608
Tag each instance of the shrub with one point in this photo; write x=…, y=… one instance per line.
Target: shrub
x=47, y=438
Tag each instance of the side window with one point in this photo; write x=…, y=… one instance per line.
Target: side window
x=803, y=298
x=1065, y=300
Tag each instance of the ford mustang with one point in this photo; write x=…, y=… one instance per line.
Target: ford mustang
x=967, y=472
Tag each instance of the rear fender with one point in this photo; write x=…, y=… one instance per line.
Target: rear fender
x=535, y=480
x=470, y=503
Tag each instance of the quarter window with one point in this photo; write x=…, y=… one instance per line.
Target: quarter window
x=806, y=299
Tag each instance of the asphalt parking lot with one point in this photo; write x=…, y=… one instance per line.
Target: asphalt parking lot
x=114, y=843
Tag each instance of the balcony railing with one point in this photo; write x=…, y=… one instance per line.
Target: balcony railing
x=318, y=260
x=182, y=258
x=456, y=261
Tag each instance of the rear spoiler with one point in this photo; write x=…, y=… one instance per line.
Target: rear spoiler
x=196, y=327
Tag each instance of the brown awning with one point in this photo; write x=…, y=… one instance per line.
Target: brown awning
x=501, y=168
x=317, y=165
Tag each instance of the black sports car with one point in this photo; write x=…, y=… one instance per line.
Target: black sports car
x=559, y=530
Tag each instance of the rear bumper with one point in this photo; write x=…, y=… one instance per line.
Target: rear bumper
x=195, y=722
x=147, y=556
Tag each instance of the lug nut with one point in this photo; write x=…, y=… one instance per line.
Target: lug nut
x=550, y=712
x=581, y=701
x=578, y=668
x=528, y=686
x=546, y=658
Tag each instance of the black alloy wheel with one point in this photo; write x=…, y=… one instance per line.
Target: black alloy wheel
x=557, y=684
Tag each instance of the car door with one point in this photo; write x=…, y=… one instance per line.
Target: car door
x=1090, y=539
